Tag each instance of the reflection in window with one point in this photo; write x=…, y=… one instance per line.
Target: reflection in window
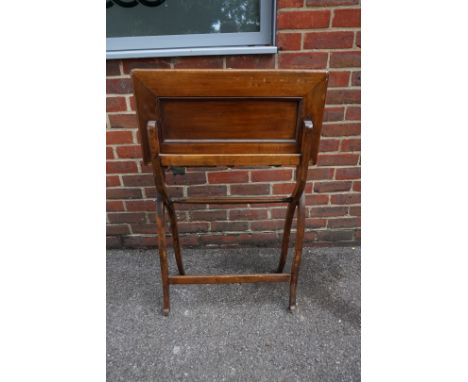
x=127, y=18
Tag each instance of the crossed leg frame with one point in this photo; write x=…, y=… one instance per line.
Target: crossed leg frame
x=182, y=278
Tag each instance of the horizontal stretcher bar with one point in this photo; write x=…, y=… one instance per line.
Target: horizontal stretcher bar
x=229, y=279
x=229, y=200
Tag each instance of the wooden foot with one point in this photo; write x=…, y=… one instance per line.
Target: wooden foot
x=297, y=252
x=163, y=253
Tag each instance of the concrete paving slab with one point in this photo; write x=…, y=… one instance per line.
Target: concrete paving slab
x=234, y=332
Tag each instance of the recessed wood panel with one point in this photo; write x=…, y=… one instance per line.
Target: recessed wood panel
x=228, y=119
x=219, y=112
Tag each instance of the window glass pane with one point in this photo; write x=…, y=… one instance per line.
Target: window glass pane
x=127, y=18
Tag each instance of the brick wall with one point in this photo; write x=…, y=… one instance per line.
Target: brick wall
x=311, y=34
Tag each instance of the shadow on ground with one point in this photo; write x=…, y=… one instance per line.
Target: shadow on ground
x=237, y=332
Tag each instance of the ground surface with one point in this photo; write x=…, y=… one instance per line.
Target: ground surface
x=237, y=332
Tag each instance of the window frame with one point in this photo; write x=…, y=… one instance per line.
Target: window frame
x=262, y=42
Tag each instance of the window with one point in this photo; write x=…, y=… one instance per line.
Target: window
x=158, y=28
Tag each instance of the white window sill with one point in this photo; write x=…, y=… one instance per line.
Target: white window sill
x=215, y=51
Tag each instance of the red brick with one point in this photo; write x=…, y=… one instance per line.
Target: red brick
x=354, y=198
x=113, y=242
x=115, y=104
x=259, y=239
x=144, y=228
x=190, y=241
x=315, y=223
x=337, y=159
x=351, y=145
x=345, y=59
x=357, y=235
x=289, y=4
x=332, y=186
x=355, y=211
x=123, y=121
x=328, y=211
x=289, y=41
x=139, y=180
x=140, y=241
x=343, y=96
x=123, y=193
x=320, y=173
x=283, y=188
x=278, y=213
x=181, y=216
x=112, y=181
x=310, y=236
x=358, y=39
x=356, y=79
x=229, y=226
x=118, y=137
x=146, y=168
x=199, y=62
x=207, y=191
x=208, y=215
x=132, y=103
x=357, y=186
x=146, y=63
x=112, y=68
x=250, y=189
x=333, y=114
x=351, y=222
x=121, y=167
x=328, y=40
x=117, y=229
x=109, y=153
x=271, y=175
x=334, y=236
x=353, y=113
x=248, y=214
x=141, y=205
x=338, y=79
x=267, y=225
x=327, y=145
x=316, y=199
x=316, y=60
x=114, y=205
x=127, y=217
x=287, y=188
x=175, y=192
x=119, y=86
x=133, y=151
x=303, y=19
x=191, y=207
x=191, y=178
x=251, y=62
x=347, y=18
x=330, y=3
x=341, y=130
x=228, y=177
x=348, y=173
x=193, y=227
